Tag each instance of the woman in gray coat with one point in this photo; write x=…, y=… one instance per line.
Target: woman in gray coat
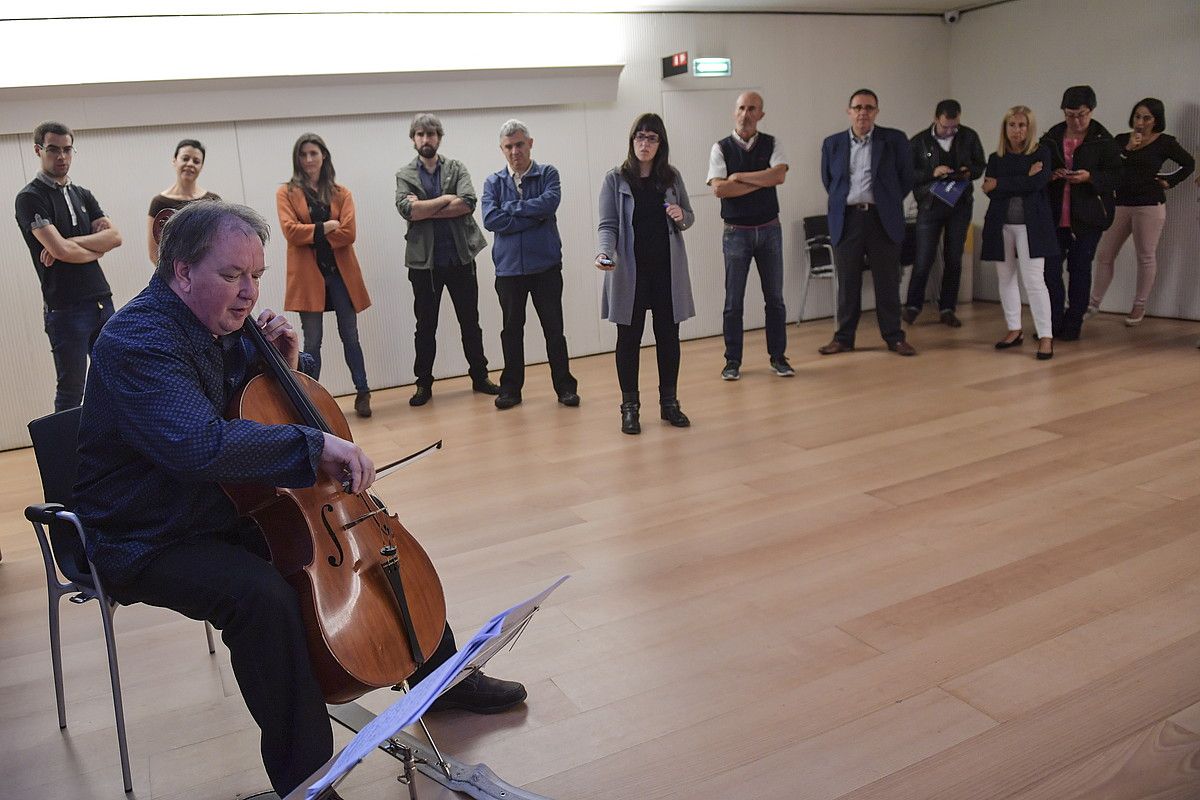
x=644, y=210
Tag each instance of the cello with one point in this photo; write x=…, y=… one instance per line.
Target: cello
x=370, y=598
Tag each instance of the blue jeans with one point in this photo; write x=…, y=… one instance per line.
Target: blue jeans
x=1076, y=248
x=72, y=332
x=949, y=224
x=312, y=323
x=765, y=246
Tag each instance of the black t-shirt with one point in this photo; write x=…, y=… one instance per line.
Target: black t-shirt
x=651, y=248
x=320, y=214
x=651, y=244
x=72, y=210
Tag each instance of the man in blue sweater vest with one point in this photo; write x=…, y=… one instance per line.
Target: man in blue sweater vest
x=743, y=171
x=519, y=205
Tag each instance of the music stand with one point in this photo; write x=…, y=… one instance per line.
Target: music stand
x=385, y=730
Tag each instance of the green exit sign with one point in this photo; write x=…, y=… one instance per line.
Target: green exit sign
x=712, y=67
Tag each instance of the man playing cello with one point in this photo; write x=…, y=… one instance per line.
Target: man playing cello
x=153, y=447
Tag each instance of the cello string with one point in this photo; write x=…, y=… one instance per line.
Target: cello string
x=284, y=377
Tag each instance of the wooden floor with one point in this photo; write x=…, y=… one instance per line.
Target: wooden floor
x=966, y=575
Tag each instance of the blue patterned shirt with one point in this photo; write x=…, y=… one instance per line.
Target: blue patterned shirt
x=154, y=442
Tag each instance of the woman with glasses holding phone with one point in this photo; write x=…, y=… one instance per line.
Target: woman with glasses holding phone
x=644, y=209
x=1018, y=229
x=1141, y=202
x=316, y=215
x=188, y=161
x=1085, y=169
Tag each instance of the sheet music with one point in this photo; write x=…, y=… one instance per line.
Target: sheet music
x=409, y=708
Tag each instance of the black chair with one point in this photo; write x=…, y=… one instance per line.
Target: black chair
x=818, y=256
x=64, y=550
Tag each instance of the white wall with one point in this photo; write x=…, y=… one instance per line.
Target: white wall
x=805, y=66
x=1027, y=52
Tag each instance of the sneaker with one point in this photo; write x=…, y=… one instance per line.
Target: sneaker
x=480, y=694
x=1091, y=311
x=782, y=368
x=1136, y=315
x=731, y=372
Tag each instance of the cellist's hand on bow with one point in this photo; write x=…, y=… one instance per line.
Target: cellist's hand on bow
x=346, y=463
x=279, y=332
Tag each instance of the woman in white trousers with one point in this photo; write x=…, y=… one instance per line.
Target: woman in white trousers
x=1018, y=230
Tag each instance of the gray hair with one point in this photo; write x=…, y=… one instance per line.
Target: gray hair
x=190, y=232
x=513, y=127
x=426, y=122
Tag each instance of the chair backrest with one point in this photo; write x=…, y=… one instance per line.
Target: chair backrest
x=56, y=448
x=816, y=240
x=816, y=226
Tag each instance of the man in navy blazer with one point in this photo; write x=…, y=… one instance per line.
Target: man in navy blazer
x=867, y=170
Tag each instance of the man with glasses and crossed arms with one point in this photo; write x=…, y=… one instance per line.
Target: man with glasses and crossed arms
x=66, y=232
x=867, y=171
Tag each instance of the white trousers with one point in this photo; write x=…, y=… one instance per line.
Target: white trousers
x=1033, y=275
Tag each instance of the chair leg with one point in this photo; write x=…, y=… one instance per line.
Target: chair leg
x=208, y=634
x=56, y=657
x=106, y=615
x=804, y=295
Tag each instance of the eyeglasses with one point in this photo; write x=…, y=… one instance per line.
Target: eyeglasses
x=57, y=151
x=648, y=138
x=1076, y=114
x=868, y=109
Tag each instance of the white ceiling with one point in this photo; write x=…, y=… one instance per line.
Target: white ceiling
x=100, y=8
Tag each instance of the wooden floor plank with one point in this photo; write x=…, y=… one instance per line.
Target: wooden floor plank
x=1159, y=761
x=1017, y=754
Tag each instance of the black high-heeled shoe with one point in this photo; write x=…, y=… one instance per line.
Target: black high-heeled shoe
x=1045, y=356
x=1017, y=342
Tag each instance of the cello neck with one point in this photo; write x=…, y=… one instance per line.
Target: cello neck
x=284, y=377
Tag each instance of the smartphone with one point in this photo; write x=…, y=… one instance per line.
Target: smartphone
x=604, y=261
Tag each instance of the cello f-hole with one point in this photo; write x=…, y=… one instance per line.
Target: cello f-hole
x=341, y=555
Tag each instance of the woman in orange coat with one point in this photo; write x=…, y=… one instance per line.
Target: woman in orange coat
x=317, y=218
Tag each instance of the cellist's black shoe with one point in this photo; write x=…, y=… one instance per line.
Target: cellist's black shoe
x=421, y=396
x=481, y=694
x=485, y=386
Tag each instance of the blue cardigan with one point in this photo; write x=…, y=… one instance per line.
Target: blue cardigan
x=527, y=240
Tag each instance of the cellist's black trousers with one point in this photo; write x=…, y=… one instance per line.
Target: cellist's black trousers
x=227, y=581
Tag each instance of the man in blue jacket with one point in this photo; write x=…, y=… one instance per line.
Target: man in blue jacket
x=519, y=204
x=867, y=171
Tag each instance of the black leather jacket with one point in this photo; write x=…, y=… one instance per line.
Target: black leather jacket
x=965, y=151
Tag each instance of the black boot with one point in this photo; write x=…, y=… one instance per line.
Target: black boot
x=630, y=406
x=671, y=412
